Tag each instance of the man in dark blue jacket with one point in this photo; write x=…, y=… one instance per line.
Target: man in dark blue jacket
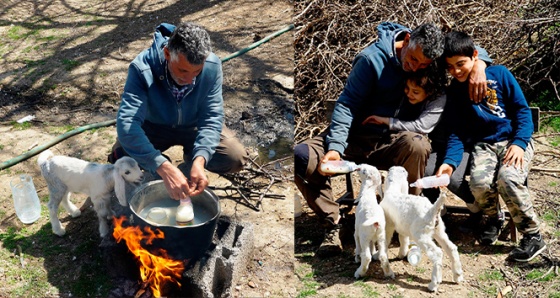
x=173, y=96
x=374, y=87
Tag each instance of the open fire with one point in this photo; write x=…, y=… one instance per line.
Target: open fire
x=155, y=269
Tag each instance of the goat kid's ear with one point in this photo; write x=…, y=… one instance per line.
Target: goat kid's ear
x=120, y=188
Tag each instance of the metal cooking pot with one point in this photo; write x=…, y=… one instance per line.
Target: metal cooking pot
x=180, y=242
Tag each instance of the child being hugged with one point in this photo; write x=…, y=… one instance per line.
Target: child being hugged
x=500, y=128
x=422, y=104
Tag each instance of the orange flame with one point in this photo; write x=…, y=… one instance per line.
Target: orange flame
x=155, y=270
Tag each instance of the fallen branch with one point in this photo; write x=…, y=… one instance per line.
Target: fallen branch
x=539, y=169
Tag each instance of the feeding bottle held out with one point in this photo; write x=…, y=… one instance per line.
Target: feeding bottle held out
x=414, y=254
x=185, y=213
x=338, y=167
x=431, y=181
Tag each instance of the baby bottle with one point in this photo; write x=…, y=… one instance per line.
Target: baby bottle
x=185, y=213
x=431, y=181
x=338, y=167
x=414, y=254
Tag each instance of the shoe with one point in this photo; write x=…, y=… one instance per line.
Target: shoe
x=472, y=223
x=530, y=246
x=331, y=245
x=490, y=231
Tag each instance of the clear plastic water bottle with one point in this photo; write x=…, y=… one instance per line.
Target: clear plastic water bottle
x=414, y=255
x=338, y=167
x=26, y=201
x=431, y=181
x=185, y=213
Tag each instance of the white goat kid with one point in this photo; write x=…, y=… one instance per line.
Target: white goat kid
x=65, y=175
x=370, y=223
x=415, y=217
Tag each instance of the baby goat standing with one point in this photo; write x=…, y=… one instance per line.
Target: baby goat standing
x=370, y=223
x=68, y=174
x=415, y=217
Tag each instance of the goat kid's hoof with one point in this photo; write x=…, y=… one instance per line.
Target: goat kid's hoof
x=390, y=275
x=60, y=232
x=432, y=287
x=358, y=274
x=458, y=278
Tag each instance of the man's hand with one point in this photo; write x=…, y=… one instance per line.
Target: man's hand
x=514, y=156
x=331, y=155
x=175, y=182
x=444, y=169
x=376, y=120
x=477, y=81
x=199, y=181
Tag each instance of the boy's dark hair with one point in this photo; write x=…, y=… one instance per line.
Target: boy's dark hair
x=458, y=44
x=192, y=41
x=429, y=38
x=432, y=79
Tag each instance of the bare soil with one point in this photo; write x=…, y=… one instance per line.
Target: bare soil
x=66, y=64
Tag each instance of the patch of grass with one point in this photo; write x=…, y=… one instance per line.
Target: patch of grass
x=367, y=290
x=552, y=184
x=491, y=275
x=48, y=38
x=392, y=287
x=554, y=294
x=420, y=269
x=550, y=217
x=18, y=32
x=70, y=64
x=92, y=282
x=307, y=276
x=21, y=126
x=61, y=129
x=539, y=275
x=33, y=63
x=1, y=147
x=490, y=291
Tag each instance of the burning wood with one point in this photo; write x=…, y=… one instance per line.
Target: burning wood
x=156, y=270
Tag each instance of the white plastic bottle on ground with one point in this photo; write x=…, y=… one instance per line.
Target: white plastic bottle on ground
x=297, y=205
x=431, y=181
x=185, y=213
x=26, y=200
x=338, y=167
x=414, y=254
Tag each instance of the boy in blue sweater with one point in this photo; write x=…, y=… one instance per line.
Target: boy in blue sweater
x=499, y=128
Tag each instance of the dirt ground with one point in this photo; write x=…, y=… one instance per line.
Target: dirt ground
x=65, y=62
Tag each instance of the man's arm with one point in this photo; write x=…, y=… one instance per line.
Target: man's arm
x=359, y=86
x=130, y=119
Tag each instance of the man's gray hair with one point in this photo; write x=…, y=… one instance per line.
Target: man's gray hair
x=429, y=38
x=192, y=41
